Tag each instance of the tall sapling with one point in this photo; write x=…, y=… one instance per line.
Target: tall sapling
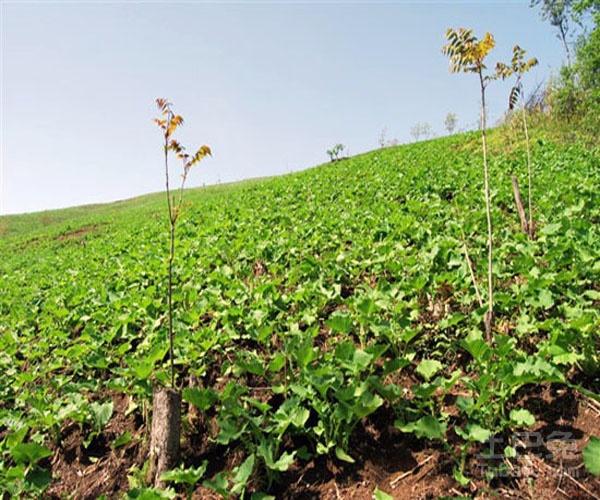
x=467, y=55
x=166, y=405
x=519, y=67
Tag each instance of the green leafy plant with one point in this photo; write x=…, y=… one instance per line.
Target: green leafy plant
x=559, y=13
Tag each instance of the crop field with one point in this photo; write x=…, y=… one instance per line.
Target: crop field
x=329, y=342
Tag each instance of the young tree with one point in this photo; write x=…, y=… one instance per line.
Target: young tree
x=558, y=13
x=419, y=130
x=450, y=122
x=166, y=405
x=381, y=140
x=335, y=152
x=518, y=67
x=467, y=54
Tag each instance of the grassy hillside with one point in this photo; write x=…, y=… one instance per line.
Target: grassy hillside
x=327, y=329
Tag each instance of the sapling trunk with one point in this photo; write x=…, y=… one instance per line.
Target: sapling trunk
x=166, y=403
x=563, y=38
x=171, y=258
x=530, y=225
x=489, y=317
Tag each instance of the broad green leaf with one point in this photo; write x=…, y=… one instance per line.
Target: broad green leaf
x=283, y=463
x=29, y=453
x=522, y=417
x=40, y=479
x=474, y=432
x=381, y=495
x=591, y=456
x=242, y=474
x=202, y=399
x=122, y=440
x=185, y=476
x=428, y=368
x=340, y=323
x=101, y=413
x=342, y=455
x=426, y=427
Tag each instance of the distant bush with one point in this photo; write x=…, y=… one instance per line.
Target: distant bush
x=421, y=130
x=450, y=122
x=575, y=96
x=572, y=100
x=335, y=152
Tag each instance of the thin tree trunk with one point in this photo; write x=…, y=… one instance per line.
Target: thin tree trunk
x=530, y=225
x=170, y=292
x=519, y=204
x=489, y=317
x=171, y=257
x=472, y=273
x=469, y=262
x=563, y=37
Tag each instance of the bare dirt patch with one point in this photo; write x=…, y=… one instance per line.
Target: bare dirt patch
x=80, y=472
x=77, y=234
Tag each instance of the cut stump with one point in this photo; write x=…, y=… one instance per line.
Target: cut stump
x=165, y=435
x=519, y=204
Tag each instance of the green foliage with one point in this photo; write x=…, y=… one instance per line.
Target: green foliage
x=335, y=152
x=574, y=97
x=591, y=456
x=309, y=314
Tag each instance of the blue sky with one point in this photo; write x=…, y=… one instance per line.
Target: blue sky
x=268, y=85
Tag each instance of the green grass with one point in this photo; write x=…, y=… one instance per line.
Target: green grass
x=323, y=286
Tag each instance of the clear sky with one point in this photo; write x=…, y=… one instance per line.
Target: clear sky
x=268, y=85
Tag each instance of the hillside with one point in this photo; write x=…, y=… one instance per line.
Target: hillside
x=327, y=331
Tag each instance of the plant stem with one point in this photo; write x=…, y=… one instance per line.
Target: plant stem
x=529, y=177
x=172, y=220
x=490, y=312
x=563, y=37
x=468, y=258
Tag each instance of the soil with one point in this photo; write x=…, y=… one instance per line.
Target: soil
x=548, y=465
x=79, y=233
x=81, y=472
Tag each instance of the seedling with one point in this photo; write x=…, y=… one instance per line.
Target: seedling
x=166, y=405
x=518, y=67
x=168, y=123
x=467, y=55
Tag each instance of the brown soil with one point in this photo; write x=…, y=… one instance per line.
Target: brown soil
x=79, y=233
x=397, y=463
x=80, y=472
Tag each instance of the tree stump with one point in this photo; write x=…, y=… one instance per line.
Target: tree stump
x=165, y=434
x=519, y=204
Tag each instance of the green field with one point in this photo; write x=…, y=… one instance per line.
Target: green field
x=308, y=308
